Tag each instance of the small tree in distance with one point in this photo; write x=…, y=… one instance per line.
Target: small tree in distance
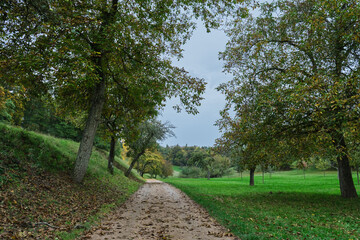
x=322, y=164
x=149, y=133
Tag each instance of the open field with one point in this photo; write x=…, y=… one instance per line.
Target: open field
x=287, y=206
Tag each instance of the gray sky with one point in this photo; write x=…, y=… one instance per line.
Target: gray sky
x=200, y=60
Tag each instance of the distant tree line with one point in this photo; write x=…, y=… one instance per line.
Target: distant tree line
x=197, y=161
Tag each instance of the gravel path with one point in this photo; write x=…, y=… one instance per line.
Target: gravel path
x=160, y=211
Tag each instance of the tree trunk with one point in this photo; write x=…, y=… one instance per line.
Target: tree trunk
x=241, y=175
x=347, y=187
x=87, y=140
x=263, y=176
x=111, y=155
x=132, y=164
x=208, y=175
x=252, y=172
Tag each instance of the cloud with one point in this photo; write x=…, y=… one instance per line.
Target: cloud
x=200, y=60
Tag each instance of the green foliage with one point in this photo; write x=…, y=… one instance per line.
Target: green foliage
x=285, y=207
x=214, y=164
x=151, y=162
x=198, y=157
x=192, y=172
x=220, y=166
x=40, y=115
x=167, y=170
x=149, y=133
x=7, y=110
x=322, y=164
x=295, y=90
x=104, y=57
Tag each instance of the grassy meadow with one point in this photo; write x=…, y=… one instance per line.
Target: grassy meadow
x=285, y=206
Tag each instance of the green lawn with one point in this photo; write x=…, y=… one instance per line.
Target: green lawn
x=286, y=206
x=177, y=170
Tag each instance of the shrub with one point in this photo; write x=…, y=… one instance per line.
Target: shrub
x=192, y=172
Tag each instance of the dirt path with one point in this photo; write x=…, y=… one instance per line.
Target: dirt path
x=160, y=211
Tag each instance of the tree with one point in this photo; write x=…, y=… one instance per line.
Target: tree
x=149, y=133
x=124, y=111
x=322, y=164
x=202, y=159
x=248, y=153
x=302, y=165
x=77, y=49
x=178, y=156
x=213, y=164
x=12, y=101
x=167, y=169
x=296, y=75
x=150, y=162
x=220, y=165
x=40, y=115
x=355, y=160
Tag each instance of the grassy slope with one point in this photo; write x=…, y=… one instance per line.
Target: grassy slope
x=177, y=170
x=38, y=199
x=287, y=206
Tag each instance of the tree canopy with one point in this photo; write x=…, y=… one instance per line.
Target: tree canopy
x=86, y=52
x=149, y=132
x=295, y=90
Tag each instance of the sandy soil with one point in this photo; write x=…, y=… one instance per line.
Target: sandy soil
x=160, y=211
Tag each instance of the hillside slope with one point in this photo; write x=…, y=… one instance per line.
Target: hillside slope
x=38, y=199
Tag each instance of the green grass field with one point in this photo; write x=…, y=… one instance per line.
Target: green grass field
x=286, y=206
x=177, y=171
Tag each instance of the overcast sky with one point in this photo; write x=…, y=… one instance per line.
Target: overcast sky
x=200, y=60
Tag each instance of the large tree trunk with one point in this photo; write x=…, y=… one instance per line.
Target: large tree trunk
x=347, y=187
x=92, y=122
x=111, y=155
x=252, y=173
x=208, y=174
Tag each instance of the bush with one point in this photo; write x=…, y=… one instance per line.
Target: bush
x=192, y=172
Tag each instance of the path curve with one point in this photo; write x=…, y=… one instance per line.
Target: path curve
x=160, y=211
